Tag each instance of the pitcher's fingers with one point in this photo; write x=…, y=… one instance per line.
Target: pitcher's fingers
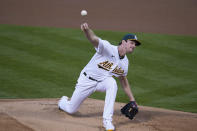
x=86, y=26
x=82, y=28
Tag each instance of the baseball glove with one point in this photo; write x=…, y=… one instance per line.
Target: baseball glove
x=130, y=109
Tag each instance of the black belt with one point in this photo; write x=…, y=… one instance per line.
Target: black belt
x=90, y=77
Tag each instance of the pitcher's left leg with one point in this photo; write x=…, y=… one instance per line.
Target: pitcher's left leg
x=109, y=85
x=110, y=97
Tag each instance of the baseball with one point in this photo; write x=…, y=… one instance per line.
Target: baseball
x=84, y=12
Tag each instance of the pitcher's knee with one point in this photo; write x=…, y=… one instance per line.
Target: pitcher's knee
x=112, y=83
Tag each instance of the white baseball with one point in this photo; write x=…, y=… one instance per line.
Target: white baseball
x=84, y=12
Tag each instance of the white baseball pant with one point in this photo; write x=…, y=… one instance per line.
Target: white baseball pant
x=85, y=87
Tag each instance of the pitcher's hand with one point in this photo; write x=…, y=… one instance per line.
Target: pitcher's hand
x=84, y=26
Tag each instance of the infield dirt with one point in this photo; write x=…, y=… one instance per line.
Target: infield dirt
x=153, y=16
x=44, y=115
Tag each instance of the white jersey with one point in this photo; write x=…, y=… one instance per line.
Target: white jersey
x=106, y=62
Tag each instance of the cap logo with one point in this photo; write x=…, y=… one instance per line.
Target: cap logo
x=135, y=37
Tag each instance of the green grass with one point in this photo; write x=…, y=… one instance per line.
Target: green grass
x=40, y=62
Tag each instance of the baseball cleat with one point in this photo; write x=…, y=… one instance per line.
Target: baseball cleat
x=108, y=125
x=61, y=102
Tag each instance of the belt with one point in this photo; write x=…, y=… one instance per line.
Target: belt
x=90, y=77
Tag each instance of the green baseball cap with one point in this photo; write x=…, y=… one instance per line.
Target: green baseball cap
x=131, y=37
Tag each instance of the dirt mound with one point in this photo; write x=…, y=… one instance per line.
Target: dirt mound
x=44, y=115
x=8, y=123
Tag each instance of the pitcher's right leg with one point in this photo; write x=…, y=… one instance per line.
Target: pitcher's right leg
x=84, y=88
x=72, y=105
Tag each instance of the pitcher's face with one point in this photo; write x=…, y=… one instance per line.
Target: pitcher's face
x=130, y=46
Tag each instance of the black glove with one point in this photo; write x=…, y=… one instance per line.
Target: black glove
x=130, y=110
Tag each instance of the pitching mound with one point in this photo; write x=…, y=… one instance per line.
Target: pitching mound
x=44, y=115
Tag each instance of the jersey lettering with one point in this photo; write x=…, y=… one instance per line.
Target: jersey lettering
x=106, y=65
x=118, y=71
